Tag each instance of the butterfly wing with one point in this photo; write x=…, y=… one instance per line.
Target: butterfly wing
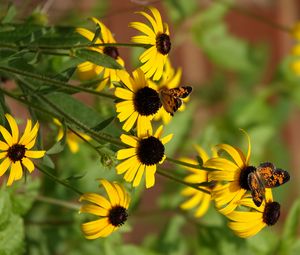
x=257, y=188
x=273, y=177
x=171, y=98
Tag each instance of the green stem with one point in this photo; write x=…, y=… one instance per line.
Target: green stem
x=54, y=82
x=58, y=202
x=171, y=177
x=96, y=135
x=178, y=162
x=70, y=47
x=54, y=178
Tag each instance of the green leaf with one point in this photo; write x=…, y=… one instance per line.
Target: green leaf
x=97, y=58
x=75, y=108
x=60, y=145
x=180, y=9
x=12, y=237
x=103, y=124
x=10, y=14
x=5, y=207
x=97, y=34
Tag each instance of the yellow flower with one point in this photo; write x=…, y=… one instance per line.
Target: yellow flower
x=71, y=139
x=145, y=153
x=231, y=176
x=295, y=66
x=140, y=102
x=112, y=214
x=88, y=70
x=170, y=79
x=17, y=152
x=296, y=31
x=249, y=223
x=197, y=198
x=158, y=36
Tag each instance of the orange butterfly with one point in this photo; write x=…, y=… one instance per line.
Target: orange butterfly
x=171, y=98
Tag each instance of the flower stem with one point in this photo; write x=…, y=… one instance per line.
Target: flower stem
x=55, y=83
x=54, y=178
x=58, y=202
x=171, y=177
x=178, y=162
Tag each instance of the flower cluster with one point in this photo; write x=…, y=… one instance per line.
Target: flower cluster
x=240, y=191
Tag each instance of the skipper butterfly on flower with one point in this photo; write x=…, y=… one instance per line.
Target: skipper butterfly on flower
x=266, y=175
x=171, y=98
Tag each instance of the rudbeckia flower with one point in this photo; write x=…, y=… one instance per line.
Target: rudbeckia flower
x=145, y=153
x=16, y=152
x=88, y=70
x=154, y=58
x=140, y=102
x=170, y=79
x=71, y=139
x=112, y=213
x=231, y=176
x=196, y=198
x=249, y=223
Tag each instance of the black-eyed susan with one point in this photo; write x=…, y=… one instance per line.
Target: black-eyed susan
x=196, y=198
x=142, y=158
x=71, y=139
x=140, y=102
x=249, y=223
x=170, y=79
x=112, y=213
x=158, y=36
x=88, y=70
x=16, y=152
x=231, y=175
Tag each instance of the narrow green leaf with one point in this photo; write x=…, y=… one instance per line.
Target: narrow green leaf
x=97, y=34
x=10, y=14
x=60, y=145
x=97, y=58
x=292, y=222
x=5, y=207
x=103, y=124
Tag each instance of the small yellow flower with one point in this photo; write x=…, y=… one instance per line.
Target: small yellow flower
x=196, y=198
x=140, y=102
x=71, y=139
x=158, y=36
x=249, y=223
x=295, y=66
x=170, y=79
x=231, y=176
x=88, y=70
x=112, y=212
x=296, y=31
x=145, y=153
x=17, y=152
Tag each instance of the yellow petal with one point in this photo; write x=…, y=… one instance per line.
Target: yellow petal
x=157, y=18
x=103, y=233
x=150, y=176
x=111, y=192
x=73, y=145
x=143, y=28
x=94, y=209
x=6, y=135
x=126, y=153
x=121, y=192
x=96, y=199
x=166, y=139
x=144, y=127
x=138, y=177
x=202, y=153
x=129, y=140
x=14, y=128
x=130, y=121
x=220, y=164
x=159, y=131
x=127, y=164
x=29, y=135
x=124, y=94
x=28, y=164
x=4, y=166
x=235, y=154
x=152, y=21
x=93, y=227
x=131, y=172
x=4, y=146
x=192, y=202
x=203, y=207
x=34, y=154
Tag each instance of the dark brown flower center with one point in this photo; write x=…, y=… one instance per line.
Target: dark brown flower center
x=163, y=43
x=16, y=152
x=146, y=101
x=117, y=216
x=111, y=51
x=150, y=151
x=271, y=213
x=244, y=177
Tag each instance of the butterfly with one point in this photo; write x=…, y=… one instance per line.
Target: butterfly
x=171, y=98
x=266, y=175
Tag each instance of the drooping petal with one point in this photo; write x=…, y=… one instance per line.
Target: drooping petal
x=14, y=128
x=96, y=199
x=94, y=209
x=34, y=154
x=111, y=192
x=28, y=164
x=4, y=166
